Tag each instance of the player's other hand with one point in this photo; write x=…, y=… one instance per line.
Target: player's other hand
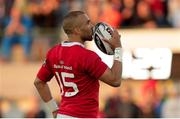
x=55, y=113
x=115, y=40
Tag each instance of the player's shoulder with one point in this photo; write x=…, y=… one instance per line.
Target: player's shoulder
x=89, y=53
x=54, y=49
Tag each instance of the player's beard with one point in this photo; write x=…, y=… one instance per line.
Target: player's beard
x=87, y=38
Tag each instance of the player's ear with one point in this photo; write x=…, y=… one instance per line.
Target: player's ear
x=77, y=31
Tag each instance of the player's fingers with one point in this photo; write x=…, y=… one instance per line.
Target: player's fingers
x=116, y=34
x=107, y=41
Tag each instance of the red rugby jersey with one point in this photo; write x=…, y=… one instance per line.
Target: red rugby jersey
x=77, y=71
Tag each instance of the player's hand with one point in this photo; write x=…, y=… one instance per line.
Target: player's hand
x=115, y=40
x=55, y=113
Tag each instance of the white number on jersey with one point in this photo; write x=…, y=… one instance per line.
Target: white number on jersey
x=64, y=83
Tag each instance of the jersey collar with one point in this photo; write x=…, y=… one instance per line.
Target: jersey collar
x=69, y=44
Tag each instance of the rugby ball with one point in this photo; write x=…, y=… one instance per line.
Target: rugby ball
x=103, y=31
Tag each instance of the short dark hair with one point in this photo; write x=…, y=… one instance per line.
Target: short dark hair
x=70, y=21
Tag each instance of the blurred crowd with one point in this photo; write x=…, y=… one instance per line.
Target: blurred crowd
x=144, y=99
x=28, y=28
x=36, y=24
x=156, y=100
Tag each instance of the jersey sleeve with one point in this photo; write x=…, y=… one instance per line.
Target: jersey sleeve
x=94, y=65
x=45, y=73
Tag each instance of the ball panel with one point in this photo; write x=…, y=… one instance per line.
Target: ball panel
x=103, y=31
x=109, y=50
x=99, y=43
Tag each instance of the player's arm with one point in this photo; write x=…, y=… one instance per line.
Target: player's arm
x=112, y=76
x=44, y=92
x=44, y=75
x=43, y=89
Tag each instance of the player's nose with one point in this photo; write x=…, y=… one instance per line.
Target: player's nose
x=92, y=27
x=91, y=24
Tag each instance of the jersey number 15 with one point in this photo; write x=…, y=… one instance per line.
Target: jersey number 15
x=65, y=84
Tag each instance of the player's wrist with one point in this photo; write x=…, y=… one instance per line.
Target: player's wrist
x=55, y=114
x=118, y=52
x=52, y=105
x=117, y=45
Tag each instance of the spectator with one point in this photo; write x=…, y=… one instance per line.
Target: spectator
x=122, y=106
x=92, y=7
x=128, y=12
x=128, y=108
x=110, y=14
x=43, y=13
x=2, y=14
x=159, y=98
x=5, y=6
x=174, y=13
x=112, y=106
x=144, y=17
x=35, y=111
x=171, y=106
x=149, y=100
x=18, y=30
x=13, y=109
x=158, y=8
x=2, y=11
x=47, y=16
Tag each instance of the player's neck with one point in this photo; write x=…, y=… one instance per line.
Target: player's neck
x=75, y=39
